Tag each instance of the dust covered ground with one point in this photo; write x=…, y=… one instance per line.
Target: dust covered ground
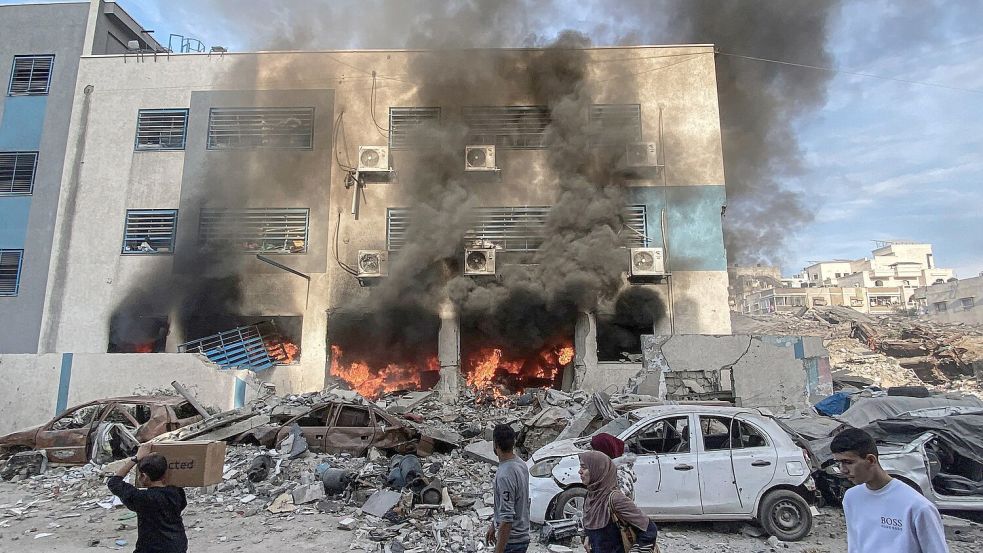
x=59, y=524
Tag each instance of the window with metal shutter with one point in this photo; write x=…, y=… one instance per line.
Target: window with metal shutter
x=407, y=123
x=10, y=266
x=263, y=230
x=615, y=124
x=161, y=129
x=149, y=231
x=261, y=128
x=17, y=172
x=508, y=127
x=513, y=228
x=30, y=75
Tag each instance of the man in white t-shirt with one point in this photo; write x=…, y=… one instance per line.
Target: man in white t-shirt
x=883, y=515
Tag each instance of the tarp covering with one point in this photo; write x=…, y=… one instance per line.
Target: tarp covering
x=866, y=410
x=835, y=404
x=960, y=432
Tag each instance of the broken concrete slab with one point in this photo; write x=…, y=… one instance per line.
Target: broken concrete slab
x=235, y=429
x=579, y=422
x=409, y=401
x=381, y=502
x=482, y=451
x=308, y=494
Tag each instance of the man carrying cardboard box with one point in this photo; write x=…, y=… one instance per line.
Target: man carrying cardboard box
x=160, y=528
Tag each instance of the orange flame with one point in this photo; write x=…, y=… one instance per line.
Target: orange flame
x=284, y=351
x=487, y=367
x=372, y=383
x=143, y=348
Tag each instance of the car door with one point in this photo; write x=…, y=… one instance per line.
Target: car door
x=755, y=460
x=66, y=439
x=353, y=430
x=718, y=486
x=314, y=426
x=674, y=470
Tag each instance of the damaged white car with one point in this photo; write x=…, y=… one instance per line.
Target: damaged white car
x=693, y=463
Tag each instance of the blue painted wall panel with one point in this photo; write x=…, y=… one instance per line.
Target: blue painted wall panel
x=23, y=122
x=14, y=212
x=693, y=224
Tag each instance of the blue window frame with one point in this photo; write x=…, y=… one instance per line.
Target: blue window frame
x=149, y=231
x=10, y=266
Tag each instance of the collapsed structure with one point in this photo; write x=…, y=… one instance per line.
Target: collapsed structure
x=488, y=217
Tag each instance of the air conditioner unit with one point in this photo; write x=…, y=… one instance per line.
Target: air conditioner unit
x=479, y=158
x=373, y=263
x=646, y=262
x=479, y=261
x=642, y=154
x=373, y=159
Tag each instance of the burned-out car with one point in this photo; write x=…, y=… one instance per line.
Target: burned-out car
x=80, y=432
x=941, y=457
x=341, y=427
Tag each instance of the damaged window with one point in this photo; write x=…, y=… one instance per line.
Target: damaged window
x=317, y=417
x=78, y=418
x=30, y=75
x=663, y=436
x=721, y=433
x=263, y=230
x=161, y=129
x=408, y=125
x=149, y=231
x=280, y=128
x=511, y=228
x=508, y=127
x=353, y=417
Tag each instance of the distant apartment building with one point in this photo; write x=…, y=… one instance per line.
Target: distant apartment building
x=959, y=301
x=744, y=279
x=883, y=283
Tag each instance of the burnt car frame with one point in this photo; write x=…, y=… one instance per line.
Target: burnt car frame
x=68, y=438
x=339, y=427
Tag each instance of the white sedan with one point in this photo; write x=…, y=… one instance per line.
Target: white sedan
x=693, y=462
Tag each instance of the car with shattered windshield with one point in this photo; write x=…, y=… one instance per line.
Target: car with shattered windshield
x=693, y=462
x=940, y=457
x=102, y=430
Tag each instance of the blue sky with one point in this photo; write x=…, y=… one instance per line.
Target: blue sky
x=883, y=159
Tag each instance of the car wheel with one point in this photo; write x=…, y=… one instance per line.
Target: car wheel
x=785, y=515
x=570, y=504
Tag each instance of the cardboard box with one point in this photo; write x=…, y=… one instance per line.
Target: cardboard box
x=192, y=463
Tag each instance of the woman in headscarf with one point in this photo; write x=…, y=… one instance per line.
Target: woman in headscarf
x=605, y=506
x=624, y=461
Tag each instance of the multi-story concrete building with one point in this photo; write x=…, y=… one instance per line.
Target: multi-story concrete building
x=40, y=47
x=959, y=301
x=420, y=206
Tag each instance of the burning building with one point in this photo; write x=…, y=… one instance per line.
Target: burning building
x=493, y=218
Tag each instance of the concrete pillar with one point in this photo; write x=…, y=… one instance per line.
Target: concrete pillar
x=449, y=353
x=584, y=350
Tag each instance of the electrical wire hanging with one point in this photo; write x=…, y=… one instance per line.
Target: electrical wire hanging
x=382, y=130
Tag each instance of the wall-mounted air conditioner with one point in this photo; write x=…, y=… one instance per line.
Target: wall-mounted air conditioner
x=646, y=262
x=479, y=158
x=479, y=261
x=640, y=155
x=373, y=263
x=373, y=159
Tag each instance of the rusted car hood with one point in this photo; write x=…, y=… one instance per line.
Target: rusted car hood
x=21, y=437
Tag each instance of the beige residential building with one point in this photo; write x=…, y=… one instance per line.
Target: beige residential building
x=959, y=301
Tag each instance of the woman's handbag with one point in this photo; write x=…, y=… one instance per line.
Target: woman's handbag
x=629, y=536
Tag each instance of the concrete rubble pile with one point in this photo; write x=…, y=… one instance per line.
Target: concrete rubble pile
x=885, y=350
x=440, y=502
